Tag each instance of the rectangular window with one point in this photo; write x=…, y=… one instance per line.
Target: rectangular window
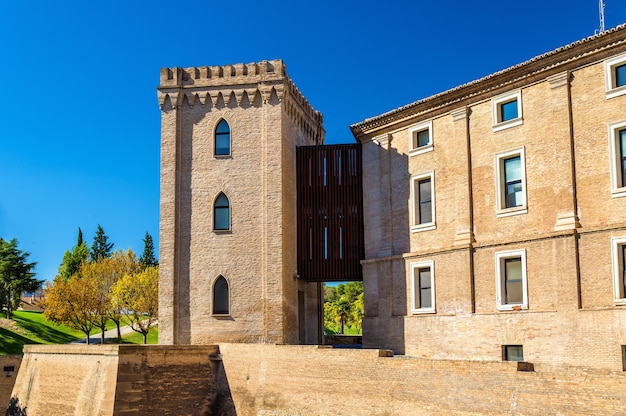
x=513, y=353
x=623, y=357
x=511, y=284
x=513, y=281
x=421, y=138
x=511, y=183
x=620, y=75
x=425, y=211
x=621, y=139
x=422, y=287
x=615, y=76
x=507, y=110
x=617, y=143
x=423, y=201
x=619, y=269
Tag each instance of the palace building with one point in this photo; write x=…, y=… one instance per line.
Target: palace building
x=487, y=222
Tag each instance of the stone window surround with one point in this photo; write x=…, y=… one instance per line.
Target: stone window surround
x=496, y=104
x=501, y=210
x=414, y=267
x=415, y=226
x=618, y=189
x=617, y=243
x=500, y=257
x=609, y=76
x=414, y=151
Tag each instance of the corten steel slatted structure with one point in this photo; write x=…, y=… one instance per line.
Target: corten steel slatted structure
x=330, y=213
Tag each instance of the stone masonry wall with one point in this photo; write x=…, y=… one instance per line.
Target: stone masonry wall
x=309, y=380
x=263, y=379
x=7, y=379
x=94, y=380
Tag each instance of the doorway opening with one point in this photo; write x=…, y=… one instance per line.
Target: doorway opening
x=342, y=305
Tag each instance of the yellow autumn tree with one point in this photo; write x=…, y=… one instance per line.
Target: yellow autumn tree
x=137, y=296
x=103, y=274
x=72, y=302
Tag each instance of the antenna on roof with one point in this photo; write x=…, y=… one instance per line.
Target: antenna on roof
x=601, y=5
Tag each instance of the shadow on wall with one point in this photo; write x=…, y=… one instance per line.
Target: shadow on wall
x=223, y=404
x=14, y=408
x=386, y=203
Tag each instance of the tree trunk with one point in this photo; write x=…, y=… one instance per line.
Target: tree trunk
x=119, y=332
x=9, y=302
x=145, y=337
x=102, y=331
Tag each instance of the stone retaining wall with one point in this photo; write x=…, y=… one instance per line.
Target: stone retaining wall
x=310, y=380
x=261, y=379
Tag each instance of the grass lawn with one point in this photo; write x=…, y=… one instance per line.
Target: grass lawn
x=34, y=328
x=137, y=338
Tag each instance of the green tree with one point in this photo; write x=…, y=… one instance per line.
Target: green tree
x=100, y=248
x=16, y=275
x=343, y=307
x=80, y=237
x=72, y=259
x=147, y=258
x=330, y=293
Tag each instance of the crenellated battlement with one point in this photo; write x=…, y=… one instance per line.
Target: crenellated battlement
x=223, y=75
x=239, y=85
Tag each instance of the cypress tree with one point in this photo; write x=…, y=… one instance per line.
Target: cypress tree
x=147, y=258
x=101, y=248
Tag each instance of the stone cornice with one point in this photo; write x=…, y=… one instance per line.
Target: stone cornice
x=570, y=56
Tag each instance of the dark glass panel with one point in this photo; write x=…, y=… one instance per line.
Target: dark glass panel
x=508, y=111
x=221, y=297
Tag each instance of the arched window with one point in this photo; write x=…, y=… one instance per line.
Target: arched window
x=221, y=297
x=221, y=213
x=222, y=138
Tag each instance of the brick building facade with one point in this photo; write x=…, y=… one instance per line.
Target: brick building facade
x=498, y=214
x=494, y=220
x=228, y=205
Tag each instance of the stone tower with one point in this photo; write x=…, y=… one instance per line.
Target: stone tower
x=228, y=205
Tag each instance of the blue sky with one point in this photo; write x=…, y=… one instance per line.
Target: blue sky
x=79, y=119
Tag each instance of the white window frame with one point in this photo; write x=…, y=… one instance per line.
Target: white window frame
x=415, y=227
x=501, y=256
x=619, y=298
x=501, y=209
x=496, y=104
x=414, y=151
x=609, y=76
x=415, y=284
x=618, y=189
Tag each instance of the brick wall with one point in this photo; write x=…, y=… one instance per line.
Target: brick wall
x=308, y=380
x=572, y=315
x=60, y=380
x=7, y=379
x=262, y=379
x=268, y=118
